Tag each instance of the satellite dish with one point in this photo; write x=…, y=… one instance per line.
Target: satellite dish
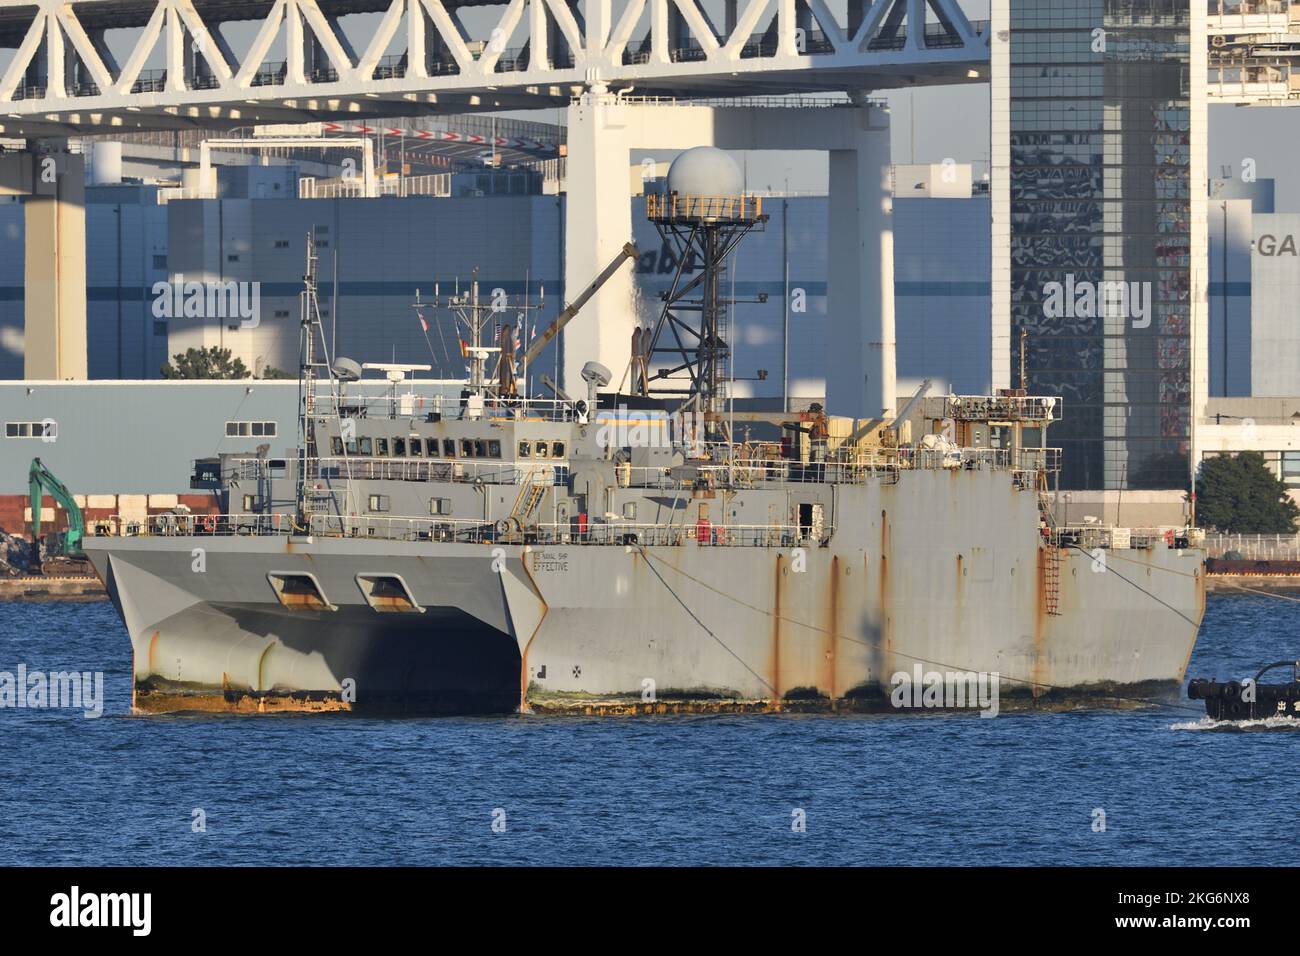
x=593, y=373
x=346, y=370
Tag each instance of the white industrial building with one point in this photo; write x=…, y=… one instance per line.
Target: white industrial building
x=388, y=248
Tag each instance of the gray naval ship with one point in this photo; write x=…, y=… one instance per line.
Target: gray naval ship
x=489, y=551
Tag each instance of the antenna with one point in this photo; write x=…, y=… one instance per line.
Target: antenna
x=472, y=319
x=309, y=311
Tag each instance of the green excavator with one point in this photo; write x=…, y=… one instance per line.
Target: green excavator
x=42, y=482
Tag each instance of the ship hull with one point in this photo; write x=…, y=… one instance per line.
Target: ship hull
x=942, y=570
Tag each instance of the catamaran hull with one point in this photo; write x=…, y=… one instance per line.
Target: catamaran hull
x=944, y=570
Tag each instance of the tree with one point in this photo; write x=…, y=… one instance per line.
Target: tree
x=272, y=372
x=1240, y=495
x=211, y=362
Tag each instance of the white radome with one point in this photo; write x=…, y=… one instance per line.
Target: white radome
x=705, y=171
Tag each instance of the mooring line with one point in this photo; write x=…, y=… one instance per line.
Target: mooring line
x=1195, y=624
x=703, y=625
x=1280, y=597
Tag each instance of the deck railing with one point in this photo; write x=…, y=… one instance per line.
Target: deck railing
x=858, y=468
x=1090, y=537
x=466, y=530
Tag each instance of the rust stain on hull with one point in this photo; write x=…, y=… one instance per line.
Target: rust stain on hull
x=234, y=702
x=1110, y=697
x=886, y=636
x=524, y=706
x=777, y=592
x=1040, y=622
x=833, y=627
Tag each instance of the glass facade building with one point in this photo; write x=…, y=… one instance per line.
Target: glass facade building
x=1098, y=109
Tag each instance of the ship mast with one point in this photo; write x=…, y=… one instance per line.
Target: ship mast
x=473, y=320
x=465, y=308
x=308, y=317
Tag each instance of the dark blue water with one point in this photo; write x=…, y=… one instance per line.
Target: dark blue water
x=1020, y=789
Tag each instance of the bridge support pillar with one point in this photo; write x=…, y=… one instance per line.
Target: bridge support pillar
x=860, y=354
x=54, y=274
x=598, y=221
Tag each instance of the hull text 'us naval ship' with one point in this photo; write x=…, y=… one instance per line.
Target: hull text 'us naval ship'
x=488, y=551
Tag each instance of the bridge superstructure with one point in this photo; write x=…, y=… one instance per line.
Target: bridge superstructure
x=175, y=64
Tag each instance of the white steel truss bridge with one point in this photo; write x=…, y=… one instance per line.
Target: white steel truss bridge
x=99, y=66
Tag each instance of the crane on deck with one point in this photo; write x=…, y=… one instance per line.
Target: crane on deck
x=506, y=375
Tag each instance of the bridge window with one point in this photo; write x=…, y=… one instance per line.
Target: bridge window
x=378, y=503
x=466, y=448
x=381, y=447
x=541, y=449
x=399, y=447
x=431, y=448
x=336, y=446
x=251, y=429
x=25, y=429
x=439, y=506
x=494, y=449
x=449, y=448
x=525, y=449
x=366, y=446
x=416, y=448
x=557, y=450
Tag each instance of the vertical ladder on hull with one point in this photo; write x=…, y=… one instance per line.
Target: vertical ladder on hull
x=1052, y=578
x=1051, y=553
